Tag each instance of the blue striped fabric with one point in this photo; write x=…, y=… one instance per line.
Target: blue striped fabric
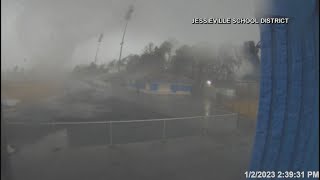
x=291, y=122
x=265, y=97
x=308, y=132
x=279, y=95
x=287, y=132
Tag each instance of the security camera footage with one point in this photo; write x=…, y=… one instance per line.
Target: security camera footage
x=153, y=90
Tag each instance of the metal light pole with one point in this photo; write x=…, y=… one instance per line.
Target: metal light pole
x=127, y=18
x=99, y=43
x=122, y=41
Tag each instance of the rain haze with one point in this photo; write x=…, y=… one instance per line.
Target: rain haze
x=105, y=89
x=64, y=33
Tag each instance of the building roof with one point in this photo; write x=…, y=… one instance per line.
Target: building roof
x=167, y=78
x=157, y=77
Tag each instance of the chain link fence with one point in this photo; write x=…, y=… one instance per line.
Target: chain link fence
x=122, y=132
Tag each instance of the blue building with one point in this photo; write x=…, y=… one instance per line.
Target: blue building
x=161, y=84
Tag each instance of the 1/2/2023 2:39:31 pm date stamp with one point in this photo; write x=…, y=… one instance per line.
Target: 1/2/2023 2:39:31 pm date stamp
x=281, y=174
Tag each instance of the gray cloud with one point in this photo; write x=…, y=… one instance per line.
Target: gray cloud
x=52, y=32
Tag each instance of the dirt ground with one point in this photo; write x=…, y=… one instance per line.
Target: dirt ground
x=30, y=91
x=248, y=108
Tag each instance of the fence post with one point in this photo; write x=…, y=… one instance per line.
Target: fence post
x=248, y=103
x=207, y=123
x=6, y=168
x=237, y=121
x=53, y=125
x=205, y=128
x=110, y=134
x=248, y=107
x=233, y=108
x=164, y=132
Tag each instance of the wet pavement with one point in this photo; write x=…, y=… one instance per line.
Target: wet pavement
x=83, y=151
x=212, y=157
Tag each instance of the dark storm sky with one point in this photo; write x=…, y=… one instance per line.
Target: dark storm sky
x=65, y=32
